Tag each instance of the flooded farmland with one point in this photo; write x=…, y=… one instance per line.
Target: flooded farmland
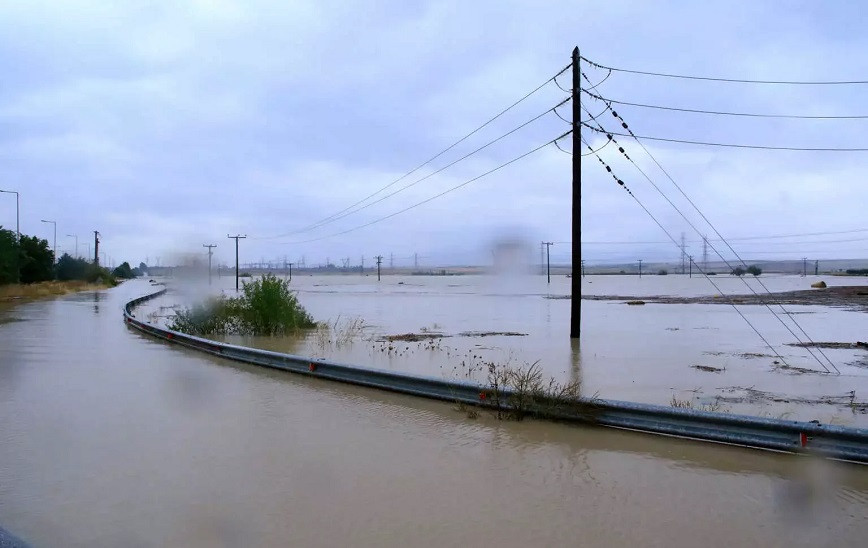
x=701, y=355
x=111, y=438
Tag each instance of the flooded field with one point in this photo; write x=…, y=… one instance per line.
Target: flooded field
x=111, y=438
x=704, y=355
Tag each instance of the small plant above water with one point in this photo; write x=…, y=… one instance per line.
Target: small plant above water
x=265, y=307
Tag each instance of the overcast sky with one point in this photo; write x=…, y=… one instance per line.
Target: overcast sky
x=167, y=125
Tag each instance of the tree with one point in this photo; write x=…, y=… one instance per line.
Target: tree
x=754, y=269
x=69, y=268
x=738, y=271
x=124, y=271
x=37, y=260
x=8, y=264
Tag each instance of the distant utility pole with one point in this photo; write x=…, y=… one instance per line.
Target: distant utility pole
x=804, y=266
x=379, y=262
x=392, y=261
x=96, y=247
x=290, y=271
x=415, y=261
x=705, y=254
x=548, y=261
x=816, y=268
x=583, y=269
x=236, y=238
x=210, y=252
x=690, y=258
x=640, y=268
x=362, y=267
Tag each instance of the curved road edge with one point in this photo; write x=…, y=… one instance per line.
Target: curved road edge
x=836, y=442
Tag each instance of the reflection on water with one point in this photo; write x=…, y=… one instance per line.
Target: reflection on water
x=702, y=354
x=110, y=438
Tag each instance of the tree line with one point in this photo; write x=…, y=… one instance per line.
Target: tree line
x=32, y=261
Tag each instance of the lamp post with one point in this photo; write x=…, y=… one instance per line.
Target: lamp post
x=17, y=234
x=76, y=243
x=55, y=236
x=17, y=216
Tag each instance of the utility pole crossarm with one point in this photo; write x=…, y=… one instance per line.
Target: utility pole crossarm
x=236, y=238
x=210, y=253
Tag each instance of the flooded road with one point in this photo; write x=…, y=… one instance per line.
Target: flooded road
x=109, y=438
x=702, y=355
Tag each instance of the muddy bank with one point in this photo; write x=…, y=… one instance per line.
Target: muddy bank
x=853, y=298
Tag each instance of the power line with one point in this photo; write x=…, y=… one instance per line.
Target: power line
x=707, y=277
x=447, y=166
x=719, y=235
x=732, y=80
x=589, y=89
x=426, y=162
x=724, y=113
x=742, y=238
x=425, y=201
x=728, y=145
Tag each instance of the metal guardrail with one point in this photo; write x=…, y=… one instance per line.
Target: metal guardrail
x=838, y=442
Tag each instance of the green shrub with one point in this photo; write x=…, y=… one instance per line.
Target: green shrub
x=266, y=306
x=203, y=319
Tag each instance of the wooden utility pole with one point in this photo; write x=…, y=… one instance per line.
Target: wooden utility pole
x=290, y=271
x=210, y=247
x=236, y=238
x=548, y=260
x=379, y=262
x=96, y=247
x=640, y=268
x=576, y=307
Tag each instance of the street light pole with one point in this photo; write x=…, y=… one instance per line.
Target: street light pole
x=17, y=234
x=17, y=215
x=55, y=236
x=76, y=243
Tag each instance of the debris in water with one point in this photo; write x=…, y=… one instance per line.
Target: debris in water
x=491, y=334
x=709, y=368
x=838, y=345
x=412, y=337
x=634, y=303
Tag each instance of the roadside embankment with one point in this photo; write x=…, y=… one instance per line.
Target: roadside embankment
x=44, y=290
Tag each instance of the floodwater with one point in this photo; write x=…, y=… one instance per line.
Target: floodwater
x=111, y=438
x=703, y=355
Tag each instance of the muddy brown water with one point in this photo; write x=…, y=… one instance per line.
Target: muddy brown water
x=702, y=355
x=110, y=438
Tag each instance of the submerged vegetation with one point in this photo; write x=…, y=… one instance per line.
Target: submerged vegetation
x=266, y=306
x=515, y=392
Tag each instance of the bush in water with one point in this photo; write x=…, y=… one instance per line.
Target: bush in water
x=266, y=307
